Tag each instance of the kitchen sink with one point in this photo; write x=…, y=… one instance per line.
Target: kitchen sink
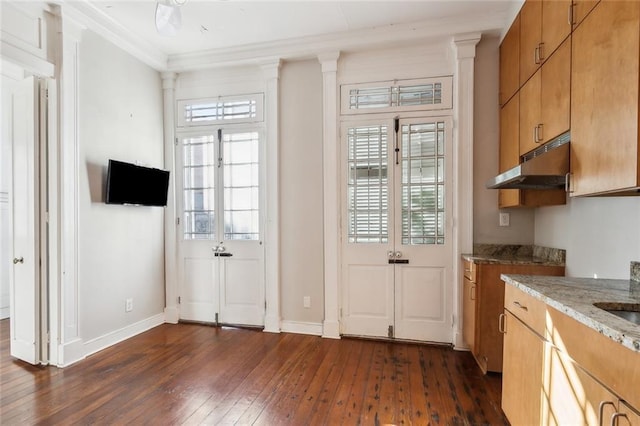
x=628, y=311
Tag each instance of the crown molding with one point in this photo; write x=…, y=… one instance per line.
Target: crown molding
x=96, y=20
x=299, y=48
x=308, y=47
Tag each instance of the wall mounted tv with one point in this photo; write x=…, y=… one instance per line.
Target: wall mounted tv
x=131, y=184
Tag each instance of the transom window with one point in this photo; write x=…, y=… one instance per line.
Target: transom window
x=403, y=95
x=247, y=108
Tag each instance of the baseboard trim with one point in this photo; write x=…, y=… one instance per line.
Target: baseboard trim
x=171, y=315
x=4, y=313
x=110, y=339
x=70, y=352
x=301, y=327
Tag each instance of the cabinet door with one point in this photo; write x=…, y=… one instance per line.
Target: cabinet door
x=523, y=353
x=632, y=418
x=509, y=62
x=570, y=395
x=556, y=88
x=509, y=148
x=530, y=113
x=530, y=38
x=555, y=25
x=469, y=313
x=604, y=99
x=581, y=9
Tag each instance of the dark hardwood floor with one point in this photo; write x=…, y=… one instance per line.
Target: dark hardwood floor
x=195, y=374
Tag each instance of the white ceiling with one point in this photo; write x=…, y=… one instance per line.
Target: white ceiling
x=226, y=24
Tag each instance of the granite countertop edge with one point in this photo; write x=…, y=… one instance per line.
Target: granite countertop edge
x=510, y=260
x=575, y=297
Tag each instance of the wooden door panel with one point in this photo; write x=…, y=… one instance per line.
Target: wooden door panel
x=510, y=62
x=555, y=24
x=556, y=88
x=530, y=38
x=530, y=114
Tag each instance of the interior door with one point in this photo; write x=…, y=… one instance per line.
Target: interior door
x=397, y=252
x=24, y=277
x=221, y=251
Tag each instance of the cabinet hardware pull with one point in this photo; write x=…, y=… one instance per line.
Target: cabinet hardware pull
x=540, y=52
x=521, y=306
x=472, y=294
x=537, y=133
x=601, y=410
x=567, y=184
x=536, y=55
x=570, y=14
x=615, y=416
x=501, y=323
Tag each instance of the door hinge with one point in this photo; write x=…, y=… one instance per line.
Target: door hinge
x=46, y=93
x=177, y=221
x=176, y=142
x=179, y=300
x=390, y=332
x=340, y=312
x=216, y=318
x=265, y=305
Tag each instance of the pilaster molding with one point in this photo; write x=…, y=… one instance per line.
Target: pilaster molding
x=331, y=191
x=68, y=108
x=171, y=310
x=465, y=51
x=271, y=75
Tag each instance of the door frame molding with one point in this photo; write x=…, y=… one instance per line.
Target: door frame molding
x=463, y=47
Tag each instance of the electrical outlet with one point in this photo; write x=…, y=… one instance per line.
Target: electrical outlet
x=306, y=301
x=504, y=219
x=128, y=305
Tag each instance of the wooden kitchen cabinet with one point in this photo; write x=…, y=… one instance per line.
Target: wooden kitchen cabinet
x=510, y=157
x=523, y=354
x=544, y=25
x=545, y=101
x=509, y=63
x=483, y=302
x=559, y=371
x=605, y=153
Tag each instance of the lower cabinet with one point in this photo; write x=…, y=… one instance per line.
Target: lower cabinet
x=548, y=378
x=482, y=304
x=523, y=354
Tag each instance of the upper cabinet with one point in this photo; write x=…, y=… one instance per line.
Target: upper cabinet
x=509, y=63
x=544, y=25
x=545, y=101
x=605, y=155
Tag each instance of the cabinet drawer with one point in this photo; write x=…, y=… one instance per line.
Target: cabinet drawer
x=528, y=309
x=470, y=270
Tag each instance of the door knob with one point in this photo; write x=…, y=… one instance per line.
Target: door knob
x=390, y=254
x=17, y=260
x=398, y=254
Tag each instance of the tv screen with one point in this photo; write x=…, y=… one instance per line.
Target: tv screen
x=131, y=184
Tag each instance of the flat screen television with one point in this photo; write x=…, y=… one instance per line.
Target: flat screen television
x=131, y=184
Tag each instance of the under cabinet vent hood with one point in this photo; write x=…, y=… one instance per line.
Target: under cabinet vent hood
x=544, y=168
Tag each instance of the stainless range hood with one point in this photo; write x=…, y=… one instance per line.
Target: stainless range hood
x=545, y=168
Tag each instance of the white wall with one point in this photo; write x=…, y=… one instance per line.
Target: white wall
x=121, y=248
x=485, y=157
x=601, y=235
x=301, y=219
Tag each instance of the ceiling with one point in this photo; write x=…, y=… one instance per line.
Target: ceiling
x=224, y=24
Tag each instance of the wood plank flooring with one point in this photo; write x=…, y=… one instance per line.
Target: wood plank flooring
x=195, y=374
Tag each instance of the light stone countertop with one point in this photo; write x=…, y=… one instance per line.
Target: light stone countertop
x=510, y=260
x=576, y=296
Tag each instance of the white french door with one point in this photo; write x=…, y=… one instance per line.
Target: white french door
x=221, y=255
x=397, y=228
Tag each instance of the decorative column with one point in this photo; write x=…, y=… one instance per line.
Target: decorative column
x=272, y=320
x=331, y=191
x=465, y=48
x=70, y=345
x=171, y=312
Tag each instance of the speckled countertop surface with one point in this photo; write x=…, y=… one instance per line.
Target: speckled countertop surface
x=576, y=296
x=516, y=255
